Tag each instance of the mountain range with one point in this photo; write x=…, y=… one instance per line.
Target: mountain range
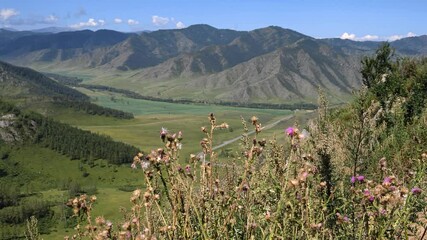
x=201, y=62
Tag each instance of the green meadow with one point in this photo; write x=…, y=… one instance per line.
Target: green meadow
x=51, y=175
x=150, y=116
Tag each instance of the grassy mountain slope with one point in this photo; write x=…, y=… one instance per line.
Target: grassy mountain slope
x=206, y=63
x=33, y=90
x=290, y=73
x=21, y=82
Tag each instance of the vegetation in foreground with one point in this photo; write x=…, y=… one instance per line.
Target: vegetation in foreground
x=358, y=172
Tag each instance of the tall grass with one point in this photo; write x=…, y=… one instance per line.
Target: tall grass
x=311, y=186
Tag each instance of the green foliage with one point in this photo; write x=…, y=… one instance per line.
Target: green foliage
x=373, y=68
x=94, y=109
x=9, y=195
x=71, y=141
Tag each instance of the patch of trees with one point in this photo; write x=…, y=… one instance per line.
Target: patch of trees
x=80, y=144
x=15, y=209
x=66, y=80
x=134, y=95
x=94, y=109
x=394, y=81
x=71, y=141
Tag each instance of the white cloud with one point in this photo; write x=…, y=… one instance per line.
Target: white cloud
x=397, y=37
x=180, y=25
x=369, y=38
x=6, y=13
x=132, y=22
x=90, y=23
x=394, y=38
x=350, y=36
x=159, y=21
x=51, y=19
x=411, y=34
x=118, y=20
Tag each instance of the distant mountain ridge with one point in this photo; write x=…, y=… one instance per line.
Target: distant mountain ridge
x=203, y=62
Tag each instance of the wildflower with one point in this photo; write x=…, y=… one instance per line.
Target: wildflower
x=145, y=164
x=341, y=218
x=366, y=192
x=316, y=226
x=294, y=182
x=180, y=135
x=223, y=126
x=360, y=178
x=290, y=131
x=303, y=176
x=109, y=224
x=100, y=221
x=254, y=120
x=416, y=190
x=163, y=133
x=304, y=134
x=388, y=180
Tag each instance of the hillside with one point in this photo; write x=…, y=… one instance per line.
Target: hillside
x=31, y=89
x=39, y=157
x=270, y=64
x=291, y=73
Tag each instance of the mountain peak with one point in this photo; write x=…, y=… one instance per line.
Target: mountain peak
x=202, y=26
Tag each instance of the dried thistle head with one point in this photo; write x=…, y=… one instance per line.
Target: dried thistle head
x=212, y=118
x=254, y=120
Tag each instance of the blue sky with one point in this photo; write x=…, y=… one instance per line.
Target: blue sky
x=356, y=19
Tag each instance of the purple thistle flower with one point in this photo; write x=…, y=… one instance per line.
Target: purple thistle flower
x=290, y=131
x=353, y=179
x=366, y=192
x=387, y=180
x=371, y=198
x=345, y=219
x=416, y=190
x=360, y=178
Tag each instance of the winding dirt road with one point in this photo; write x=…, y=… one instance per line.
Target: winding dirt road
x=268, y=126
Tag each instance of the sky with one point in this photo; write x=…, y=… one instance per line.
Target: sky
x=351, y=19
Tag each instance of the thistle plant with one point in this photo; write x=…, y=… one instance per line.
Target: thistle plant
x=302, y=187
